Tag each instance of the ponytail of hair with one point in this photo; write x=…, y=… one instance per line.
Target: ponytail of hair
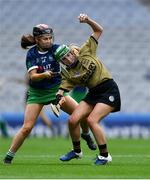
x=27, y=40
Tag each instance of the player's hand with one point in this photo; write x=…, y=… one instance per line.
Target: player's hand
x=57, y=105
x=60, y=99
x=48, y=74
x=83, y=18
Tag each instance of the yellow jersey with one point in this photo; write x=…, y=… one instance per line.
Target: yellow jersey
x=89, y=70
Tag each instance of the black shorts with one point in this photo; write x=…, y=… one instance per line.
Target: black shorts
x=107, y=93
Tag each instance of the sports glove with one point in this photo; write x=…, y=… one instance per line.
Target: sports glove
x=56, y=106
x=58, y=98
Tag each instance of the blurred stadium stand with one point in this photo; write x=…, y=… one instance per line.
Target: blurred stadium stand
x=124, y=46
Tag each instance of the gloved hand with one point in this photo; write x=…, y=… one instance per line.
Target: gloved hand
x=56, y=106
x=58, y=98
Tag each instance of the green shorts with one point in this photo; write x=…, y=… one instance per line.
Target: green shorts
x=42, y=96
x=78, y=93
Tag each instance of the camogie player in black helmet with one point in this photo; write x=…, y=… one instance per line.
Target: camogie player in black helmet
x=44, y=81
x=83, y=67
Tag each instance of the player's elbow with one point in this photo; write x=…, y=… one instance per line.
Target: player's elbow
x=99, y=31
x=34, y=77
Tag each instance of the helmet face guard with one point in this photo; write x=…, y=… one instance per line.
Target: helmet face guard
x=61, y=52
x=42, y=29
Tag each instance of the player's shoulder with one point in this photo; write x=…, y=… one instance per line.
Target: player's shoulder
x=31, y=51
x=54, y=47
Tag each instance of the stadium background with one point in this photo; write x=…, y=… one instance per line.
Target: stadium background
x=124, y=48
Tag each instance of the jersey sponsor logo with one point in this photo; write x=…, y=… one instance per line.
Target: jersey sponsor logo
x=45, y=62
x=47, y=67
x=77, y=74
x=89, y=72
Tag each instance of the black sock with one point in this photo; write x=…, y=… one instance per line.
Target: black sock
x=10, y=155
x=9, y=158
x=76, y=146
x=103, y=150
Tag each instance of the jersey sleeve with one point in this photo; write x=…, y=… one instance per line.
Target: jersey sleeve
x=30, y=62
x=89, y=47
x=54, y=47
x=66, y=84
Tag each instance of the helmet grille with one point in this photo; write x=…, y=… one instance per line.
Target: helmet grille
x=61, y=51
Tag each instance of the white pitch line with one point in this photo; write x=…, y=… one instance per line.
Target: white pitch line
x=86, y=156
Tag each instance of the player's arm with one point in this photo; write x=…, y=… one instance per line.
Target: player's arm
x=34, y=76
x=58, y=102
x=60, y=99
x=97, y=28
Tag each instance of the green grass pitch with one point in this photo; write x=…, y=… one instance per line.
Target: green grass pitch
x=38, y=158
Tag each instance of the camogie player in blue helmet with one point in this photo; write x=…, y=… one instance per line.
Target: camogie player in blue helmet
x=82, y=67
x=44, y=80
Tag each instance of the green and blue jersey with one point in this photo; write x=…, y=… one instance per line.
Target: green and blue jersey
x=43, y=62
